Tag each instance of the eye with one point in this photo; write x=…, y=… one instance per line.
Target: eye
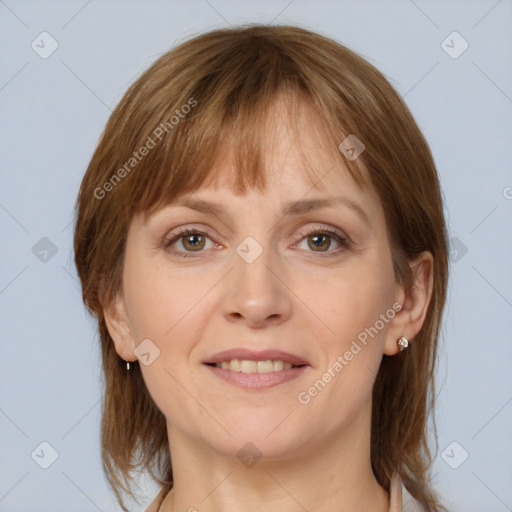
x=191, y=240
x=320, y=240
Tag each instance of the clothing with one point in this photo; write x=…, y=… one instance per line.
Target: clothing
x=400, y=500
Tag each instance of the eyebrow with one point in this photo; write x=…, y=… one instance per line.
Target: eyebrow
x=290, y=208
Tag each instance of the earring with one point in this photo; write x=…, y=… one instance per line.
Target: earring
x=403, y=343
x=127, y=366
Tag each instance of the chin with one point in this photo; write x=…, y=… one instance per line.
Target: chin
x=269, y=433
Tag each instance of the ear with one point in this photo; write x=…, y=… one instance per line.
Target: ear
x=119, y=328
x=409, y=320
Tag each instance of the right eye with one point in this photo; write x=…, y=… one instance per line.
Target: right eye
x=191, y=241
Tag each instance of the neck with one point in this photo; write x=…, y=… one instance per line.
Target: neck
x=334, y=474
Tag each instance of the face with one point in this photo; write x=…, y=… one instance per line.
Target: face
x=310, y=286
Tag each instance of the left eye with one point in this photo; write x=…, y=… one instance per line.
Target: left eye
x=321, y=241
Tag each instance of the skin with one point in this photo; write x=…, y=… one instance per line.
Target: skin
x=296, y=297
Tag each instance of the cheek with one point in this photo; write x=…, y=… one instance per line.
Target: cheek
x=357, y=308
x=147, y=302
x=166, y=309
x=353, y=300
x=157, y=302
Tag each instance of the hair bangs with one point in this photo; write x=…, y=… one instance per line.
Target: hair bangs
x=232, y=126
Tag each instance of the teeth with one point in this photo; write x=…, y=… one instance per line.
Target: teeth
x=248, y=366
x=265, y=366
x=278, y=365
x=235, y=365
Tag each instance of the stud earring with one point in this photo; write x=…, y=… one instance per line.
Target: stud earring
x=403, y=343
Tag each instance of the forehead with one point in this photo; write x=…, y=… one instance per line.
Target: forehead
x=302, y=167
x=283, y=147
x=297, y=153
x=302, y=174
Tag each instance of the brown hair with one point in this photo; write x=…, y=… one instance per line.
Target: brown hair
x=229, y=79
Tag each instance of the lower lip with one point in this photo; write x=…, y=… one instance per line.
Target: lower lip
x=257, y=380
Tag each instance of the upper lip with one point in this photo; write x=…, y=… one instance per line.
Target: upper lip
x=253, y=355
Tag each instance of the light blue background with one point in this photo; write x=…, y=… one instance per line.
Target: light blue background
x=53, y=112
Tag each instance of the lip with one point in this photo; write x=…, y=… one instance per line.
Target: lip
x=252, y=355
x=257, y=381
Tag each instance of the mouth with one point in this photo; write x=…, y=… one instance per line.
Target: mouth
x=256, y=370
x=251, y=361
x=251, y=366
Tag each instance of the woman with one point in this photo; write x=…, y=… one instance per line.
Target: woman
x=260, y=235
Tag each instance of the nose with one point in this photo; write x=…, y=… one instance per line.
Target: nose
x=256, y=291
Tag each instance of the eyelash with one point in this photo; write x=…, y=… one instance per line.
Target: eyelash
x=344, y=242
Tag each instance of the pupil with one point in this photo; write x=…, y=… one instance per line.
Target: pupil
x=319, y=240
x=194, y=241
